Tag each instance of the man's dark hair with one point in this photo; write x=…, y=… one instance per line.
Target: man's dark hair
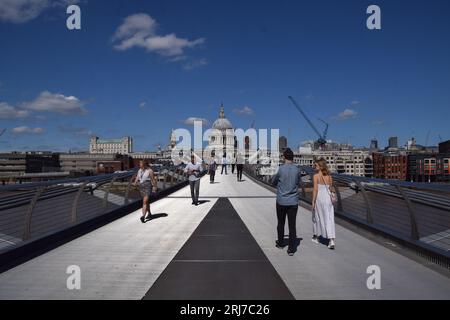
x=288, y=154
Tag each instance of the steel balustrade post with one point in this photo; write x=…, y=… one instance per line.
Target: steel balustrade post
x=339, y=198
x=366, y=200
x=127, y=191
x=302, y=186
x=165, y=180
x=74, y=212
x=172, y=176
x=29, y=214
x=412, y=215
x=108, y=189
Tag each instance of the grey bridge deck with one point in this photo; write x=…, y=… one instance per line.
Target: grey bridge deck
x=127, y=260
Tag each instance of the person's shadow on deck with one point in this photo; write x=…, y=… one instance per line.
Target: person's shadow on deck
x=203, y=201
x=156, y=216
x=297, y=242
x=323, y=241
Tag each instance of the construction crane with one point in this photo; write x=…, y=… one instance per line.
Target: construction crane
x=427, y=138
x=322, y=140
x=2, y=132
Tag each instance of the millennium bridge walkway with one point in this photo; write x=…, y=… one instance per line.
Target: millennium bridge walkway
x=221, y=249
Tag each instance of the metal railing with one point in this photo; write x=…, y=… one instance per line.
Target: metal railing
x=34, y=210
x=417, y=214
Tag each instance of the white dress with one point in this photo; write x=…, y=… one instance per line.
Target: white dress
x=323, y=216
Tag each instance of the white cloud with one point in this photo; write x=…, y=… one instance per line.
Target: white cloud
x=140, y=30
x=143, y=105
x=27, y=130
x=8, y=112
x=355, y=102
x=245, y=110
x=347, y=114
x=191, y=120
x=195, y=63
x=380, y=122
x=21, y=11
x=55, y=102
x=74, y=131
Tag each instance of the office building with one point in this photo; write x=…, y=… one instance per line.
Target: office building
x=19, y=163
x=356, y=162
x=393, y=143
x=282, y=144
x=90, y=164
x=113, y=146
x=390, y=165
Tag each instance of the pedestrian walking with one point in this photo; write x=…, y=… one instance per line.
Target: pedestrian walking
x=233, y=164
x=194, y=170
x=322, y=205
x=147, y=183
x=239, y=167
x=212, y=171
x=224, y=164
x=287, y=180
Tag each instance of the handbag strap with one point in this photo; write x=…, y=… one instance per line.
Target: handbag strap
x=328, y=191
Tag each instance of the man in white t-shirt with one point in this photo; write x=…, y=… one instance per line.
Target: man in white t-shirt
x=194, y=169
x=224, y=164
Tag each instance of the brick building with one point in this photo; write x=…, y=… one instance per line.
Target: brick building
x=390, y=165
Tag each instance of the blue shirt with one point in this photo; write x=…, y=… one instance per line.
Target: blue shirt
x=287, y=181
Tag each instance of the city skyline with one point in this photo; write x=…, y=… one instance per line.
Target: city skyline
x=140, y=69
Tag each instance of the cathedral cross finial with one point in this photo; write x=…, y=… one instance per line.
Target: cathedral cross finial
x=222, y=112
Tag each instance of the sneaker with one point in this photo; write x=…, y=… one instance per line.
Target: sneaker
x=142, y=219
x=290, y=252
x=331, y=245
x=315, y=240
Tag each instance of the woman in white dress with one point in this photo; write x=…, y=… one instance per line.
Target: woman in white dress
x=147, y=183
x=322, y=205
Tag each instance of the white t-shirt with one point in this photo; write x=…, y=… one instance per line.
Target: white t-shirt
x=144, y=175
x=198, y=167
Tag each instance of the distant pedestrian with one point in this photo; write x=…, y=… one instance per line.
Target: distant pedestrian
x=233, y=164
x=224, y=164
x=322, y=204
x=212, y=171
x=147, y=183
x=287, y=182
x=239, y=167
x=194, y=169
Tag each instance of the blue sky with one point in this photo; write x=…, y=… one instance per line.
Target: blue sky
x=141, y=68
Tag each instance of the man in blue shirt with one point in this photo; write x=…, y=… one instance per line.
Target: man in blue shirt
x=287, y=181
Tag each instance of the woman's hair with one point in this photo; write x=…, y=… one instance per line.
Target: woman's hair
x=323, y=167
x=145, y=163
